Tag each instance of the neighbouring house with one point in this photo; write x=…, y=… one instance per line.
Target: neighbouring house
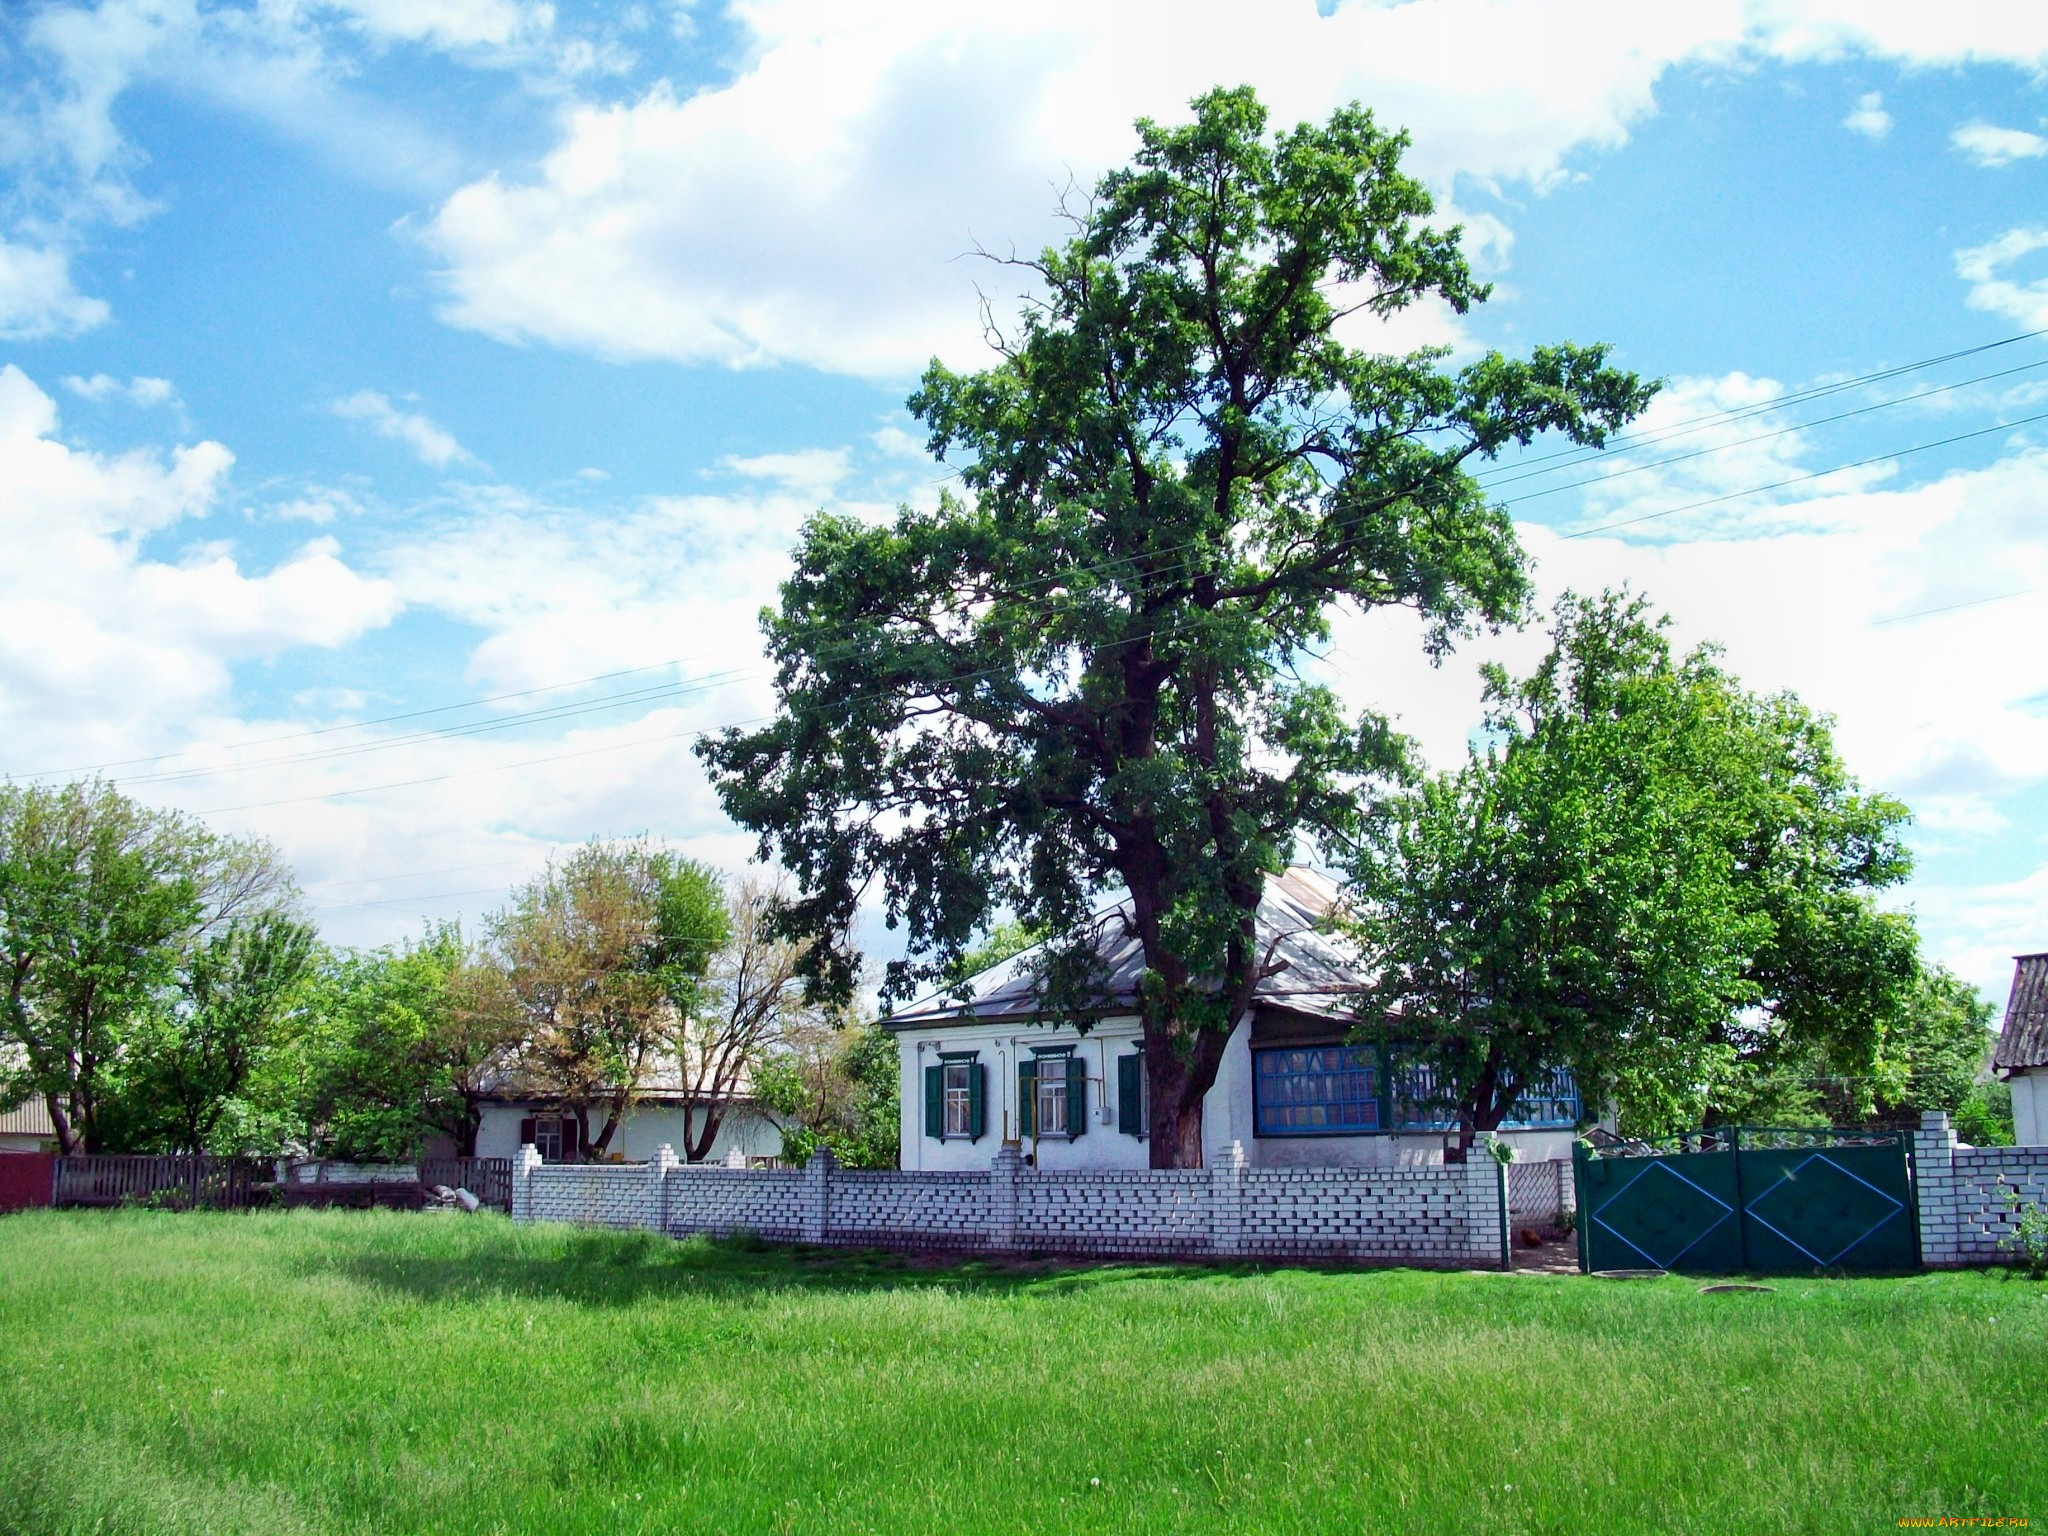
x=27, y=1128
x=664, y=1114
x=2021, y=1057
x=985, y=1062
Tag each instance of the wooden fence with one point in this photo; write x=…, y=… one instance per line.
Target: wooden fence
x=488, y=1178
x=215, y=1183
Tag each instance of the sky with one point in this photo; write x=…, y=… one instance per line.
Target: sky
x=407, y=406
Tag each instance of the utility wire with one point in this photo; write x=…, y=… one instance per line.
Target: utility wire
x=1503, y=474
x=1818, y=474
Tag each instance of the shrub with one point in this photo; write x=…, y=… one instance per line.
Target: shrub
x=2029, y=1239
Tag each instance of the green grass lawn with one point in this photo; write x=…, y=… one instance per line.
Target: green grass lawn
x=389, y=1372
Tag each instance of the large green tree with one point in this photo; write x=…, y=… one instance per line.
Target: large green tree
x=102, y=903
x=1644, y=873
x=1079, y=674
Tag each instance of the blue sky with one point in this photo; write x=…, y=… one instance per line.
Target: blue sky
x=363, y=358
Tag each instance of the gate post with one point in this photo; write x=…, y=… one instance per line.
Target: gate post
x=1934, y=1190
x=818, y=1193
x=1004, y=1170
x=523, y=1167
x=1226, y=1201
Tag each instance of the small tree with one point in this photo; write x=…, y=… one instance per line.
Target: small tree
x=192, y=1058
x=1645, y=874
x=753, y=998
x=102, y=901
x=836, y=1083
x=1085, y=677
x=581, y=950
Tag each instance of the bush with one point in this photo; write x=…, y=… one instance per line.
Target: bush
x=2030, y=1238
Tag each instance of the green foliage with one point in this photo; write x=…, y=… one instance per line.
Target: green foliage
x=394, y=1045
x=2029, y=1235
x=279, y=1374
x=1086, y=672
x=1984, y=1119
x=690, y=926
x=1646, y=874
x=1003, y=941
x=835, y=1086
x=191, y=1059
x=110, y=914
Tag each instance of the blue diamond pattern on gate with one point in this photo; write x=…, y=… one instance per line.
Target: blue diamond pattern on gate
x=1663, y=1218
x=1829, y=1208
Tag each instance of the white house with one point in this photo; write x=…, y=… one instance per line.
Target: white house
x=985, y=1063
x=2022, y=1054
x=664, y=1114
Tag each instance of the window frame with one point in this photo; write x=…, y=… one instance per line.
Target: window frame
x=961, y=1097
x=548, y=1139
x=1399, y=1091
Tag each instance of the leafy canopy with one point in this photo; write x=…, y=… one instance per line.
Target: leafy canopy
x=1082, y=671
x=1647, y=874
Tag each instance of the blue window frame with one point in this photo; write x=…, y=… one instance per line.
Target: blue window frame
x=1322, y=1090
x=1352, y=1090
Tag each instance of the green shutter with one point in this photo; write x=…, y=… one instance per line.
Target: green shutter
x=977, y=1079
x=935, y=1101
x=1027, y=1098
x=1077, y=1095
x=1130, y=1094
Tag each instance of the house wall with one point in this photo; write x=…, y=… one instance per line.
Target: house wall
x=646, y=1128
x=12, y=1142
x=1226, y=1110
x=2030, y=1107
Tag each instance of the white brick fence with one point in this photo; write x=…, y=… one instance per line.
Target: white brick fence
x=1964, y=1212
x=1450, y=1217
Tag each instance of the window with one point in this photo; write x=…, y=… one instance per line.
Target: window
x=1052, y=1095
x=1353, y=1090
x=1548, y=1101
x=953, y=1098
x=552, y=1136
x=959, y=1097
x=1323, y=1090
x=1051, y=1117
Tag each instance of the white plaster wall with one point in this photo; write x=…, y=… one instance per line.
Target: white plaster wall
x=999, y=1047
x=648, y=1126
x=2030, y=1108
x=1226, y=1112
x=11, y=1142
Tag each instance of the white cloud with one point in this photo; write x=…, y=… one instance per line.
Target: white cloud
x=102, y=643
x=813, y=208
x=1839, y=599
x=1990, y=146
x=457, y=24
x=434, y=445
x=692, y=227
x=811, y=473
x=37, y=297
x=1868, y=117
x=1984, y=268
x=139, y=391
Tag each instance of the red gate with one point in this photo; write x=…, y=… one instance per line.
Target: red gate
x=25, y=1179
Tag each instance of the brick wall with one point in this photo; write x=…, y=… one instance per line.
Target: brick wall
x=1964, y=1212
x=1438, y=1216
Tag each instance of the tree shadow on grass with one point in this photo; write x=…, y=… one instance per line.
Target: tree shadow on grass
x=618, y=1269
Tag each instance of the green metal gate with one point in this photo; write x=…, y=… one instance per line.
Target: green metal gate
x=1744, y=1200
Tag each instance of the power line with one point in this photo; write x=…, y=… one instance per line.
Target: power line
x=1818, y=474
x=1504, y=474
x=1145, y=634
x=1627, y=441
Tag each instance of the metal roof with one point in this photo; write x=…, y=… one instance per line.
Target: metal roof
x=2023, y=1042
x=1316, y=972
x=31, y=1117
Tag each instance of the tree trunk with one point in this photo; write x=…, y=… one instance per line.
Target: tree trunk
x=69, y=1143
x=697, y=1145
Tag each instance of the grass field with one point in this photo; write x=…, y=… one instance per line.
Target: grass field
x=387, y=1372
